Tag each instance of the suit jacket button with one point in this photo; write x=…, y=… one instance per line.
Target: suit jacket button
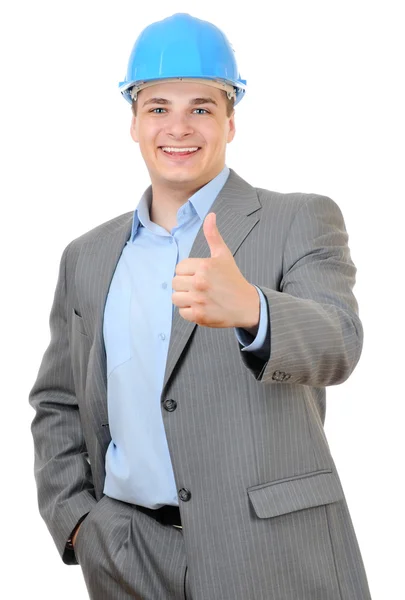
x=184, y=495
x=170, y=405
x=278, y=376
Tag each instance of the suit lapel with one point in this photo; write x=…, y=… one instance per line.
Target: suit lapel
x=236, y=208
x=100, y=258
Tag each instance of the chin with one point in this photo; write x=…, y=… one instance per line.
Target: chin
x=184, y=178
x=181, y=175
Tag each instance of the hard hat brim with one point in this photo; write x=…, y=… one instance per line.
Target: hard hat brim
x=130, y=89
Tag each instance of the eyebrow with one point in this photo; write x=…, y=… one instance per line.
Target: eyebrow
x=193, y=102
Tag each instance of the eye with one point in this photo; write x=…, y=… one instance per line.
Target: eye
x=155, y=109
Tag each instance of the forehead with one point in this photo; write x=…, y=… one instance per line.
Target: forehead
x=180, y=91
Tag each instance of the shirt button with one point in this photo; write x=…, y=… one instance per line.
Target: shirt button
x=171, y=240
x=170, y=405
x=164, y=285
x=184, y=495
x=162, y=336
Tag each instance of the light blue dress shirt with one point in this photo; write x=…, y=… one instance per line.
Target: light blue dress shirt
x=137, y=326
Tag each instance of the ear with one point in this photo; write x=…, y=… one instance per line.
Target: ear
x=132, y=130
x=231, y=124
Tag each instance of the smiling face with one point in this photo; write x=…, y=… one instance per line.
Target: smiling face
x=182, y=115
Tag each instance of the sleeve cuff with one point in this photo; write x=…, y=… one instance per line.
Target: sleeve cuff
x=261, y=343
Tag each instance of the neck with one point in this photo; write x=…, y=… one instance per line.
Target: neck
x=173, y=194
x=169, y=196
x=166, y=201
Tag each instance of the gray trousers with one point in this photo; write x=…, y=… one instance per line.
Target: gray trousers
x=126, y=554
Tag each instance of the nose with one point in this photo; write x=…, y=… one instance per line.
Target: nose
x=178, y=127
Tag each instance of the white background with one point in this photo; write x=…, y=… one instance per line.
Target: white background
x=324, y=113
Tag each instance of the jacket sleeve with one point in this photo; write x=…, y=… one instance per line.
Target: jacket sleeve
x=259, y=345
x=62, y=470
x=316, y=335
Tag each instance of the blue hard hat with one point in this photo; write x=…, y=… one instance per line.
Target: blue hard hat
x=182, y=47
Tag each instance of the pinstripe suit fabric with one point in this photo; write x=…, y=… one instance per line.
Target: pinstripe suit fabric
x=117, y=543
x=267, y=518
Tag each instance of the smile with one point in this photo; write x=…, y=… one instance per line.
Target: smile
x=179, y=153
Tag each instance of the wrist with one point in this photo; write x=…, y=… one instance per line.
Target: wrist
x=254, y=312
x=70, y=543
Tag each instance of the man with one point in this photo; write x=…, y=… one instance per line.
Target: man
x=180, y=449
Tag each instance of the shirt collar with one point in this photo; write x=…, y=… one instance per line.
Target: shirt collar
x=199, y=203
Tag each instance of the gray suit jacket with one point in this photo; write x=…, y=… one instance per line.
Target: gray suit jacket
x=267, y=517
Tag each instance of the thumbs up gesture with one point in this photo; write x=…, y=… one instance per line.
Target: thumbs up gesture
x=212, y=291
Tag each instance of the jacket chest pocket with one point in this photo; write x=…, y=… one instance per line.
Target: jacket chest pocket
x=116, y=327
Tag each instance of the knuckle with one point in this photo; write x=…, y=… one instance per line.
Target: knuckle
x=198, y=315
x=200, y=282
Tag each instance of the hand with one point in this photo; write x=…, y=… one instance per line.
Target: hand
x=212, y=291
x=75, y=535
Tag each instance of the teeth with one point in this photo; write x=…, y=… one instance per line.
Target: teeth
x=169, y=149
